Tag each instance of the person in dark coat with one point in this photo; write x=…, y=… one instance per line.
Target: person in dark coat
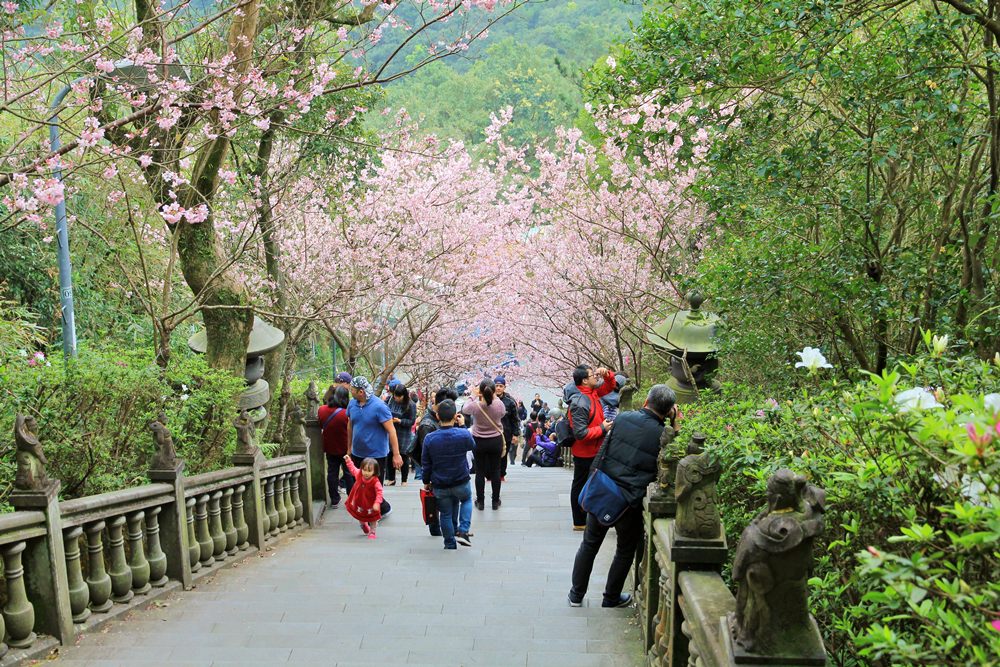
x=510, y=424
x=628, y=456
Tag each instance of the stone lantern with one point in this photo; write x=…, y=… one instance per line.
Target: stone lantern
x=263, y=339
x=688, y=336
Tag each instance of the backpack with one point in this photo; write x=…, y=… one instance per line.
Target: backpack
x=564, y=428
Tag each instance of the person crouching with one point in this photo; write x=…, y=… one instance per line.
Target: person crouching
x=364, y=502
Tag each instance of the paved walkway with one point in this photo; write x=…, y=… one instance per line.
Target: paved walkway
x=330, y=596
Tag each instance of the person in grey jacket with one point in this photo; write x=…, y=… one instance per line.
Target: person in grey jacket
x=628, y=456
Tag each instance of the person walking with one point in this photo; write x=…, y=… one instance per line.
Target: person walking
x=628, y=456
x=510, y=425
x=404, y=415
x=446, y=473
x=586, y=417
x=371, y=432
x=333, y=420
x=364, y=502
x=487, y=411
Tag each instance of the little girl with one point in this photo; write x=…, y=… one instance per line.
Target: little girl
x=364, y=502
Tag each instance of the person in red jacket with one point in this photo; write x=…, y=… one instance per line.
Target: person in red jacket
x=589, y=427
x=364, y=502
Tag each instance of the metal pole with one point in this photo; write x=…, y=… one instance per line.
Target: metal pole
x=62, y=241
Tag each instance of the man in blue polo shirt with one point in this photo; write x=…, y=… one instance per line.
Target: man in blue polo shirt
x=370, y=431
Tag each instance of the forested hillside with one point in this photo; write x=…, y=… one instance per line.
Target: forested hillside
x=531, y=60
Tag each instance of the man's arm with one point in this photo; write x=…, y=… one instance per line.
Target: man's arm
x=350, y=438
x=609, y=383
x=397, y=460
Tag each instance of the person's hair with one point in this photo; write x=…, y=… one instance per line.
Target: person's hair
x=488, y=390
x=661, y=399
x=533, y=415
x=400, y=390
x=328, y=396
x=341, y=397
x=370, y=462
x=447, y=410
x=445, y=394
x=580, y=374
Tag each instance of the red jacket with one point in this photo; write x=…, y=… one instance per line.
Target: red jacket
x=364, y=495
x=585, y=408
x=335, y=433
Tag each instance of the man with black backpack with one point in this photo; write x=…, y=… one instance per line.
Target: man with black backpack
x=588, y=427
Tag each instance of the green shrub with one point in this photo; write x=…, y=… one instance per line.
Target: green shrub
x=908, y=571
x=93, y=415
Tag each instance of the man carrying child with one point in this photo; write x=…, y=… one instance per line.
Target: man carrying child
x=446, y=473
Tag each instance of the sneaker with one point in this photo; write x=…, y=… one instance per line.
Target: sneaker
x=463, y=539
x=371, y=535
x=335, y=505
x=480, y=505
x=572, y=602
x=496, y=504
x=365, y=529
x=624, y=600
x=387, y=512
x=453, y=546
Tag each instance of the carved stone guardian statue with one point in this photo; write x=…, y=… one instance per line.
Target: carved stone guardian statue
x=296, y=437
x=772, y=565
x=166, y=456
x=312, y=402
x=31, y=461
x=697, y=502
x=245, y=435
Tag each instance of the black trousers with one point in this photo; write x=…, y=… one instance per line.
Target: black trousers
x=581, y=470
x=487, y=458
x=629, y=529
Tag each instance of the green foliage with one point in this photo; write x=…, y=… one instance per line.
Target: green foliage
x=850, y=180
x=532, y=60
x=908, y=571
x=93, y=415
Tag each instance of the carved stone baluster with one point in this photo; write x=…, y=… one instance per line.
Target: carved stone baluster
x=228, y=529
x=296, y=498
x=98, y=581
x=242, y=529
x=215, y=526
x=3, y=633
x=137, y=554
x=201, y=530
x=194, y=549
x=279, y=503
x=272, y=513
x=661, y=634
x=18, y=613
x=289, y=508
x=157, y=559
x=79, y=596
x=121, y=575
x=694, y=654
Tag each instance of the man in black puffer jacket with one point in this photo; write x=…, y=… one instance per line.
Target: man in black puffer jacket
x=628, y=456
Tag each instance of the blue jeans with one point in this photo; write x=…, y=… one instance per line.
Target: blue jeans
x=455, y=506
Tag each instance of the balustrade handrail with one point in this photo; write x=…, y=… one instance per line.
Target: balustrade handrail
x=283, y=464
x=213, y=481
x=79, y=511
x=18, y=526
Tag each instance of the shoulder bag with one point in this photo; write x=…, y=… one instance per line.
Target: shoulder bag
x=601, y=496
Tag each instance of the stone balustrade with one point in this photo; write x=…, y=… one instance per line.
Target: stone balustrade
x=70, y=566
x=688, y=615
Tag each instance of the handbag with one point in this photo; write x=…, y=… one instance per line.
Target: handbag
x=601, y=496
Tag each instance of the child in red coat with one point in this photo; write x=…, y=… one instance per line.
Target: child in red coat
x=365, y=500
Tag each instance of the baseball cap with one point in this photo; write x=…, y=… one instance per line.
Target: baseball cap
x=343, y=376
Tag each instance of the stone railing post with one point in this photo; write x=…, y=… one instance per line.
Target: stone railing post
x=317, y=462
x=695, y=540
x=299, y=443
x=44, y=559
x=173, y=533
x=248, y=455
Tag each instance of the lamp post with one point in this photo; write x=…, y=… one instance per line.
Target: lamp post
x=138, y=76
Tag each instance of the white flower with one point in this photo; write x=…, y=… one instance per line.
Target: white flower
x=992, y=402
x=812, y=359
x=939, y=345
x=184, y=388
x=611, y=62
x=917, y=398
x=184, y=397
